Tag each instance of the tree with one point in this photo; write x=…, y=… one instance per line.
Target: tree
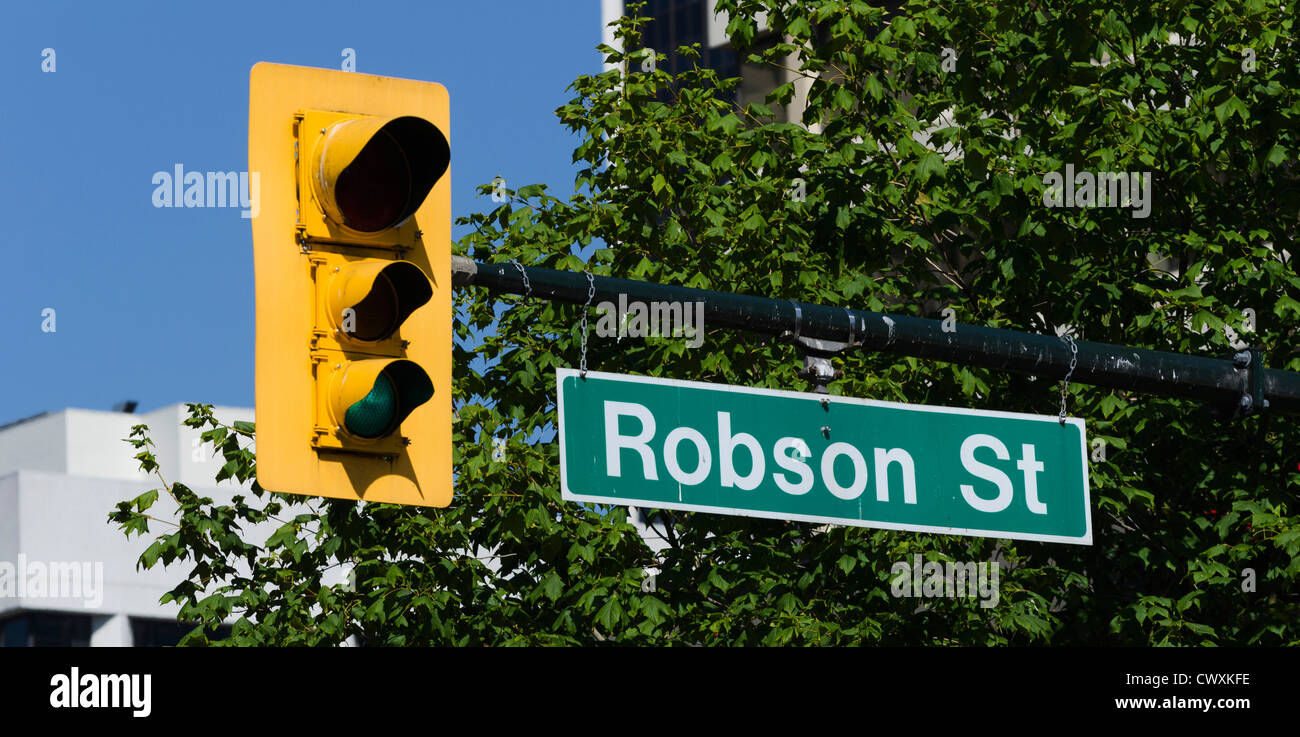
x=930, y=134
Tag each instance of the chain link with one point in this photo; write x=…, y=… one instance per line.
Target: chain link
x=591, y=293
x=528, y=288
x=1065, y=383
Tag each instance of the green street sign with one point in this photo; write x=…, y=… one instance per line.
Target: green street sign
x=700, y=447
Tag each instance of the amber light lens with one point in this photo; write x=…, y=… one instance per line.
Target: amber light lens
x=378, y=302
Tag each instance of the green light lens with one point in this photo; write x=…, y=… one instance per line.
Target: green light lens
x=376, y=413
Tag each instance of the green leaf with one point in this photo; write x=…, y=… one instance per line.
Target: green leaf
x=145, y=500
x=929, y=164
x=552, y=586
x=847, y=563
x=610, y=615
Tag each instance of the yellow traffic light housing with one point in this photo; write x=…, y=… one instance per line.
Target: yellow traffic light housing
x=352, y=252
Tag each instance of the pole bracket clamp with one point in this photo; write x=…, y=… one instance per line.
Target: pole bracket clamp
x=817, y=353
x=1250, y=361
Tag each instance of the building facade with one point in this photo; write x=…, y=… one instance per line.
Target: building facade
x=68, y=577
x=677, y=23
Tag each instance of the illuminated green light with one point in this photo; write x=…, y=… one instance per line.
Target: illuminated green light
x=376, y=413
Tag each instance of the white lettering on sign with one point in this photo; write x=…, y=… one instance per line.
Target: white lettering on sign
x=727, y=447
x=986, y=472
x=854, y=489
x=615, y=443
x=1031, y=469
x=997, y=477
x=794, y=465
x=705, y=464
x=796, y=476
x=899, y=456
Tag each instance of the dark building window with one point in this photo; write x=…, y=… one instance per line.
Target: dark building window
x=46, y=629
x=166, y=632
x=684, y=23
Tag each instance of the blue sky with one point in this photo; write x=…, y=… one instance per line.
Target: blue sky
x=156, y=304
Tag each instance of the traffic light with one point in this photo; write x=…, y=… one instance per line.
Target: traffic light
x=352, y=261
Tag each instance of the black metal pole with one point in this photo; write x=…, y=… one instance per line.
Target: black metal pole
x=1228, y=383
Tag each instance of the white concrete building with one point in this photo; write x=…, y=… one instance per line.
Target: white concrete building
x=67, y=575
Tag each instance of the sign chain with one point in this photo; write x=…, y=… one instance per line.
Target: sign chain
x=591, y=293
x=528, y=288
x=1065, y=383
